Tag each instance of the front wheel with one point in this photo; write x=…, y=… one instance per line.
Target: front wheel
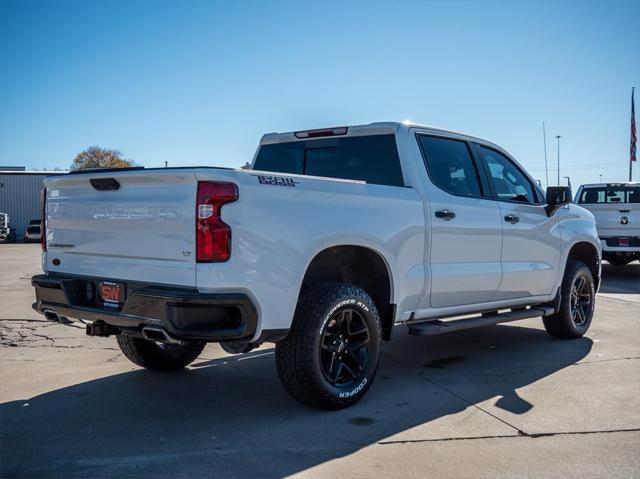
x=330, y=357
x=158, y=356
x=578, y=297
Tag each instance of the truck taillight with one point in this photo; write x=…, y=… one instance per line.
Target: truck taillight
x=213, y=236
x=43, y=219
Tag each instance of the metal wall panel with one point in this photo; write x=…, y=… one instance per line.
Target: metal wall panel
x=20, y=198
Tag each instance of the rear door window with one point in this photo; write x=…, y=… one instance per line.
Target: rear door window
x=373, y=159
x=450, y=165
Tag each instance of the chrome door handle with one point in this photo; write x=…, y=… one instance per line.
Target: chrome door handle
x=445, y=214
x=513, y=219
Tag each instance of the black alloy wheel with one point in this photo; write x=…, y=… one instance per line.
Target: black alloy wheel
x=581, y=300
x=344, y=351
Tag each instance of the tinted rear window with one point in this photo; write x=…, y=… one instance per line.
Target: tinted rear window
x=373, y=159
x=609, y=194
x=33, y=229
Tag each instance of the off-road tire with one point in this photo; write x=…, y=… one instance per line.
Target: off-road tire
x=562, y=324
x=299, y=356
x=158, y=357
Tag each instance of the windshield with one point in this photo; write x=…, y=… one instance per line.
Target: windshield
x=609, y=194
x=33, y=230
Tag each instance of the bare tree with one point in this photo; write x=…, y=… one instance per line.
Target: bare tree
x=96, y=157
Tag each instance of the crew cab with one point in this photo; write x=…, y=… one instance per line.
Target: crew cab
x=616, y=208
x=332, y=238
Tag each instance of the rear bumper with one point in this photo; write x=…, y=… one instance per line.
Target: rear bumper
x=183, y=313
x=609, y=244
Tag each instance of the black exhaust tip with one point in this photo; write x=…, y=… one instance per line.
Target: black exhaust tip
x=51, y=316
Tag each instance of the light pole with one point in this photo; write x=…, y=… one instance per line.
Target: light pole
x=546, y=168
x=558, y=138
x=600, y=177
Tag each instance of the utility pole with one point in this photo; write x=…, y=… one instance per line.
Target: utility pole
x=544, y=140
x=558, y=138
x=600, y=178
x=166, y=164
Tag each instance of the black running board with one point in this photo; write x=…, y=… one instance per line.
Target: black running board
x=435, y=327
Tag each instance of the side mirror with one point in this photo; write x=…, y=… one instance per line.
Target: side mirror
x=557, y=196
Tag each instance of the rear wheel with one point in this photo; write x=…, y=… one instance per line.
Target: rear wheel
x=158, y=356
x=577, y=303
x=330, y=357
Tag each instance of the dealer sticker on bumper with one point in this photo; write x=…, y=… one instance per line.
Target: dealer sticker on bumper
x=111, y=294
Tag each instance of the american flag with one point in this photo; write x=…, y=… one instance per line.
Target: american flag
x=634, y=138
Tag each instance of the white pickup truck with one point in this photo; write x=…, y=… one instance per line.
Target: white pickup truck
x=616, y=207
x=330, y=240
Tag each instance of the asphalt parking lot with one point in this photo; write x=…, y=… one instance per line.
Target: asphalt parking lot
x=502, y=401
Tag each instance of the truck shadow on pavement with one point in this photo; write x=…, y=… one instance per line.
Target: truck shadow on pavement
x=231, y=418
x=625, y=279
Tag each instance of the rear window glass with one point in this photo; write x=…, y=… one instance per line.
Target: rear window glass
x=609, y=194
x=33, y=229
x=373, y=159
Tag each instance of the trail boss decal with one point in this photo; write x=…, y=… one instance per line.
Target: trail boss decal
x=276, y=180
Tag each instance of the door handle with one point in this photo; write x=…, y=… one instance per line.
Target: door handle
x=513, y=219
x=445, y=214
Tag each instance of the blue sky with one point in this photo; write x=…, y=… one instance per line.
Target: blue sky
x=198, y=82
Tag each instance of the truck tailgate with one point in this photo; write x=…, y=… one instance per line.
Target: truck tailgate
x=142, y=231
x=615, y=219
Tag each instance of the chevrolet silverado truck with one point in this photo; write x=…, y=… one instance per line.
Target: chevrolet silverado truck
x=332, y=238
x=616, y=208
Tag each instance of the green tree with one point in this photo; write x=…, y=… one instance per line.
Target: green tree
x=96, y=157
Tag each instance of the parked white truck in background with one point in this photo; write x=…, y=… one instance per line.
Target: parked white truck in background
x=334, y=237
x=7, y=233
x=33, y=232
x=616, y=208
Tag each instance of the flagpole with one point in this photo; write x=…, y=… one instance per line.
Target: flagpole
x=632, y=152
x=544, y=139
